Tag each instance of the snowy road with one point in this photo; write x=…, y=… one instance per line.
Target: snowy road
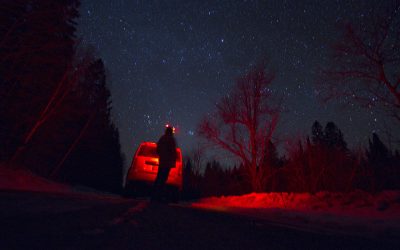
x=66, y=221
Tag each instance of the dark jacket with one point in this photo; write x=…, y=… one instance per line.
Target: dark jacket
x=166, y=150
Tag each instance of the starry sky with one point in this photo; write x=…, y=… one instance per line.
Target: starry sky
x=171, y=61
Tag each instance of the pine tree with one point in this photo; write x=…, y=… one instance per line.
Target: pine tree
x=271, y=158
x=377, y=153
x=333, y=137
x=36, y=49
x=331, y=134
x=317, y=133
x=96, y=161
x=341, y=142
x=57, y=115
x=385, y=171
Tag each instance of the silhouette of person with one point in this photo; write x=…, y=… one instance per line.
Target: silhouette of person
x=166, y=150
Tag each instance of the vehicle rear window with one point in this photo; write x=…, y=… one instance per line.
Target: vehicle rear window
x=148, y=151
x=151, y=151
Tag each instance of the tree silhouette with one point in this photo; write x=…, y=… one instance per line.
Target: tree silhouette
x=317, y=133
x=36, y=49
x=196, y=158
x=379, y=162
x=56, y=114
x=94, y=157
x=324, y=164
x=271, y=158
x=244, y=123
x=365, y=65
x=214, y=179
x=333, y=137
x=377, y=153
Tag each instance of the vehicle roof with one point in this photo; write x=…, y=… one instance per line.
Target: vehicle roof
x=149, y=143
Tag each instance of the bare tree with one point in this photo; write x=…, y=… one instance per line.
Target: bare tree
x=244, y=123
x=365, y=65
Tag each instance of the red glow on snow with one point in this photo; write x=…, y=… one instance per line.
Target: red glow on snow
x=253, y=200
x=337, y=212
x=357, y=203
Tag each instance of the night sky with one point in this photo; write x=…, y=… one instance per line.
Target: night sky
x=170, y=61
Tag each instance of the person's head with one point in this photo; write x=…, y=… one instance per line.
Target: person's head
x=169, y=131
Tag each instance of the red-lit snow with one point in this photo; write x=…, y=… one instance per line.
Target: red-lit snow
x=23, y=180
x=356, y=212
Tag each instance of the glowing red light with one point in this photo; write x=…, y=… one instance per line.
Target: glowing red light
x=173, y=128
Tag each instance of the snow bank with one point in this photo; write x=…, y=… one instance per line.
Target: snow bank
x=357, y=211
x=326, y=201
x=23, y=180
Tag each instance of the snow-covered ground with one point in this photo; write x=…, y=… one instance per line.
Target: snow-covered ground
x=356, y=212
x=24, y=180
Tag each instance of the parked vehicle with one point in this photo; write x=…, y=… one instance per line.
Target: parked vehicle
x=144, y=168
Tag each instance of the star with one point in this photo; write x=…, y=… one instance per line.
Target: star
x=171, y=62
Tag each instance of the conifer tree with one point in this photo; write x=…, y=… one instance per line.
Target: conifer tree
x=377, y=153
x=317, y=133
x=36, y=49
x=96, y=159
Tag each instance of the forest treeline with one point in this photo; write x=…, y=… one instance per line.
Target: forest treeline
x=319, y=162
x=55, y=112
x=55, y=104
x=362, y=70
